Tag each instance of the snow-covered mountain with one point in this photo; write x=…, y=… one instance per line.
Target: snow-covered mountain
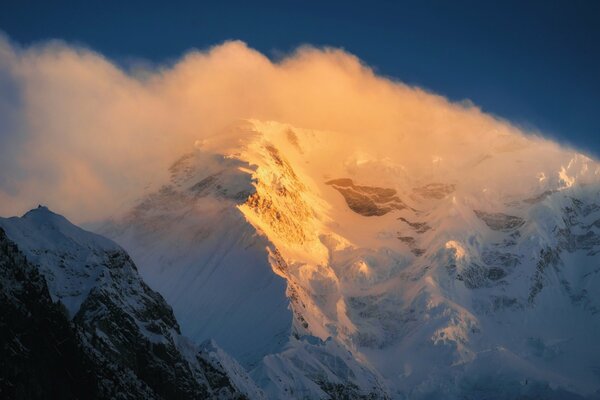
x=61, y=284
x=462, y=267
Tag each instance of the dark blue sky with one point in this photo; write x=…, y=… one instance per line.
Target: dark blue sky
x=536, y=63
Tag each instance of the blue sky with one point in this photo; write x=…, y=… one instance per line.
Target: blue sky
x=536, y=63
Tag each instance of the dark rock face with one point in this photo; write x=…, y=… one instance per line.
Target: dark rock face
x=549, y=258
x=576, y=234
x=368, y=200
x=138, y=332
x=419, y=227
x=474, y=276
x=499, y=221
x=412, y=245
x=40, y=356
x=497, y=258
x=122, y=343
x=113, y=333
x=495, y=273
x=337, y=391
x=375, y=309
x=541, y=197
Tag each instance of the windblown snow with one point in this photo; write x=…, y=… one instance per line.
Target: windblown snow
x=332, y=267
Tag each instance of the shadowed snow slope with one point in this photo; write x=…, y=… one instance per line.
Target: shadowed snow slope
x=331, y=266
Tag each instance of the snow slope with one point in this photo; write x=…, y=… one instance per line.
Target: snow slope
x=448, y=267
x=195, y=247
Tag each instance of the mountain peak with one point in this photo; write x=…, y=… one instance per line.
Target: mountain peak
x=40, y=210
x=43, y=215
x=71, y=257
x=445, y=245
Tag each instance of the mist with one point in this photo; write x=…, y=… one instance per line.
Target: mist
x=85, y=136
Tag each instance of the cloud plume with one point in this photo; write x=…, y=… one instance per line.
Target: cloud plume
x=82, y=135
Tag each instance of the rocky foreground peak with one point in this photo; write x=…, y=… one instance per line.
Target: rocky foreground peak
x=76, y=306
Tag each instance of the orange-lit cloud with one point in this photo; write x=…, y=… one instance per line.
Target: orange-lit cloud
x=82, y=135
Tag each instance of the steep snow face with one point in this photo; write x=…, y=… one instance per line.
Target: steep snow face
x=195, y=247
x=439, y=267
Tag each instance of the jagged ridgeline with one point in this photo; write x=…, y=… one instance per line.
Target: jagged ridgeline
x=79, y=322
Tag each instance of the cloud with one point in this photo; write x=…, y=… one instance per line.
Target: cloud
x=83, y=135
